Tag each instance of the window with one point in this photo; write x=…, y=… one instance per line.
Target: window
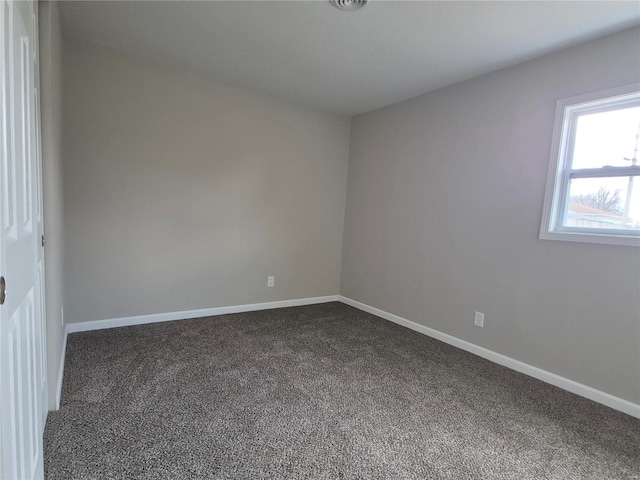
x=593, y=188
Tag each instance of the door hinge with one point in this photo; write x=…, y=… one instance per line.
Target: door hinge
x=43, y=240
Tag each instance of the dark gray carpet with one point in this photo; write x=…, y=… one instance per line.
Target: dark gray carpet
x=317, y=392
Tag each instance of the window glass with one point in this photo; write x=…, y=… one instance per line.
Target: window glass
x=600, y=203
x=606, y=138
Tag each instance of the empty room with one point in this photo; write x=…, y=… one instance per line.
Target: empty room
x=320, y=239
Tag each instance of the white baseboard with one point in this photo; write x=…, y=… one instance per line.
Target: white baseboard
x=572, y=386
x=604, y=398
x=206, y=312
x=63, y=353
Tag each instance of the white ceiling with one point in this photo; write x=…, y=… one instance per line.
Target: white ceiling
x=310, y=53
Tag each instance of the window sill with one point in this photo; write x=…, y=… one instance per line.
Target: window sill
x=588, y=237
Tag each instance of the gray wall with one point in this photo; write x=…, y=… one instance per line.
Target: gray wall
x=444, y=203
x=184, y=194
x=51, y=124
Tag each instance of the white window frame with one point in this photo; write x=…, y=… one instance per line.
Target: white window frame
x=559, y=175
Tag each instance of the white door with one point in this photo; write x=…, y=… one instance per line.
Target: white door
x=22, y=334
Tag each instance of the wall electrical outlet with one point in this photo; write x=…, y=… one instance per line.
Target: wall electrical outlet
x=271, y=281
x=478, y=319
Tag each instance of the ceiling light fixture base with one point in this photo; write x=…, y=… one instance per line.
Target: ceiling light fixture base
x=348, y=5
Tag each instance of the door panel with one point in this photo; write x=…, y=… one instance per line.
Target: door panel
x=22, y=334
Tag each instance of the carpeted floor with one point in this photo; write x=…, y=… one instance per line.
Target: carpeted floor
x=317, y=392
